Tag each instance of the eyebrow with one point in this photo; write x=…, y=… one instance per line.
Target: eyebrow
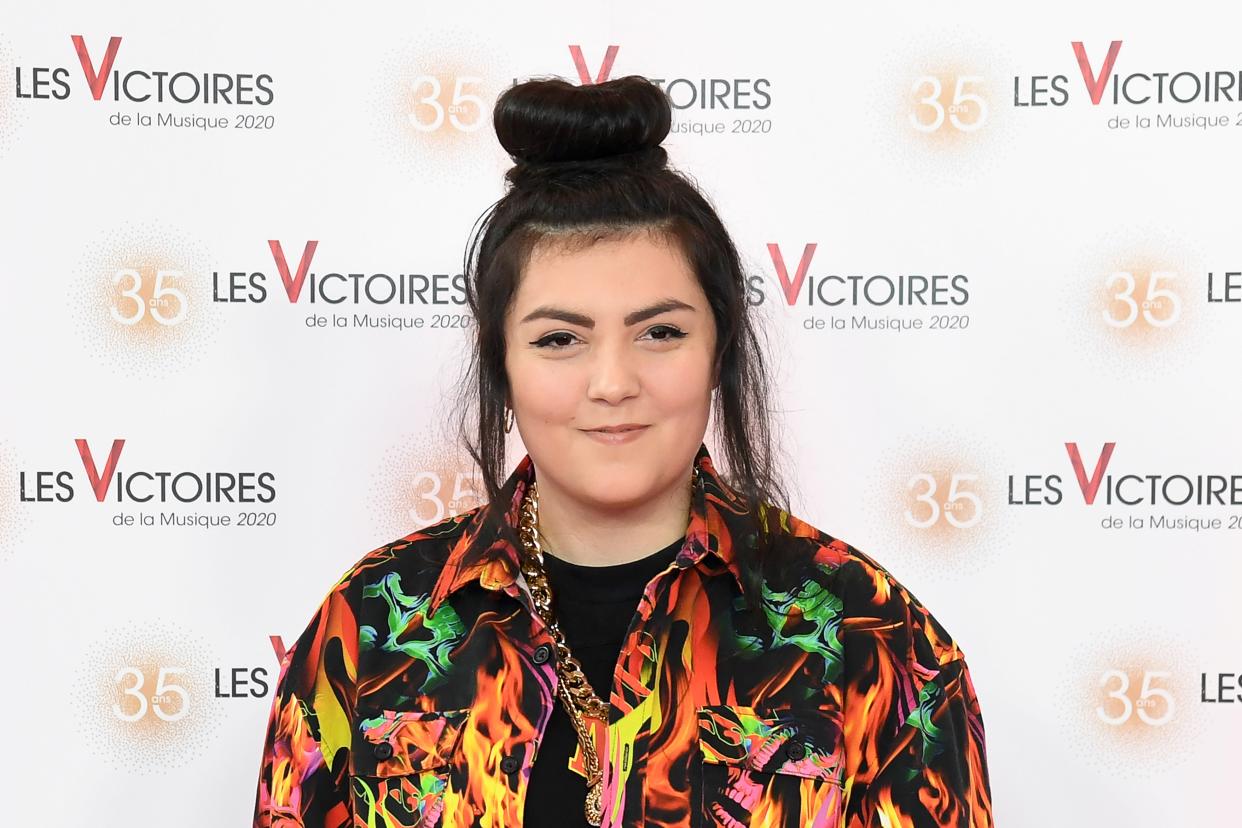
x=582, y=320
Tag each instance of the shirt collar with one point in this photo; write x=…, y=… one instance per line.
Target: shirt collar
x=483, y=553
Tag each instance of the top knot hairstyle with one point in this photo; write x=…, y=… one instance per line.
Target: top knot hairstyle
x=554, y=128
x=589, y=166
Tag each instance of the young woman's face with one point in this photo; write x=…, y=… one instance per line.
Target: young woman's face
x=617, y=333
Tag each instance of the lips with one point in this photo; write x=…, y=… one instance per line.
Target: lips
x=616, y=435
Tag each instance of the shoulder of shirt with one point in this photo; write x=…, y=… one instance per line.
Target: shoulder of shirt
x=418, y=557
x=864, y=586
x=827, y=551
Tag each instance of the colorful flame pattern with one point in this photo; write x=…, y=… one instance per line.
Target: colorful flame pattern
x=414, y=696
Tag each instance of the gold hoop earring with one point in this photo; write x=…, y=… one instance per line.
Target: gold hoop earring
x=508, y=419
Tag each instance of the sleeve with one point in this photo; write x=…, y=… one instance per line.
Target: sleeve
x=915, y=746
x=304, y=769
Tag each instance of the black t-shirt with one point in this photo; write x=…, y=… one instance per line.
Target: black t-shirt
x=594, y=606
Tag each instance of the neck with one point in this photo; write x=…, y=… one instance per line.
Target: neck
x=583, y=533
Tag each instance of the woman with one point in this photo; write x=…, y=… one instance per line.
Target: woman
x=534, y=661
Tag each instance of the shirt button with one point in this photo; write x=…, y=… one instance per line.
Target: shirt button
x=796, y=751
x=510, y=764
x=382, y=751
x=542, y=653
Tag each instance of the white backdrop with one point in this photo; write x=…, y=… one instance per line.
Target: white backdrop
x=1089, y=304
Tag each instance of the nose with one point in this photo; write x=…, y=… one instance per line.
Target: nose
x=614, y=375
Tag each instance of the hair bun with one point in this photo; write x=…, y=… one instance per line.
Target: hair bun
x=551, y=125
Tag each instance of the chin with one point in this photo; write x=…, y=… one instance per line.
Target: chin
x=618, y=488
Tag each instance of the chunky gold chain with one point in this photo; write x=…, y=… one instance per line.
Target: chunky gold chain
x=573, y=688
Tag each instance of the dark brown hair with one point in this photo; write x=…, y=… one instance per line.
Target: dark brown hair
x=589, y=165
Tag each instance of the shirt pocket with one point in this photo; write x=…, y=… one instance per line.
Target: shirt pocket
x=399, y=767
x=769, y=766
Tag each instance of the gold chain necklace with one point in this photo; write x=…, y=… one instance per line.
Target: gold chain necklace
x=573, y=688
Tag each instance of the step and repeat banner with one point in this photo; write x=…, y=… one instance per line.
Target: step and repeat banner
x=996, y=256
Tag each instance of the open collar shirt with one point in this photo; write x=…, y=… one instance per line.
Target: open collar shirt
x=419, y=692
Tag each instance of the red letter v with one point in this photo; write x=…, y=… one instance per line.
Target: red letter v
x=794, y=287
x=293, y=284
x=605, y=68
x=1095, y=85
x=1089, y=487
x=278, y=646
x=96, y=81
x=99, y=482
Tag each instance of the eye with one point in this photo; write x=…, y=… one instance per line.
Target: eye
x=670, y=333
x=558, y=336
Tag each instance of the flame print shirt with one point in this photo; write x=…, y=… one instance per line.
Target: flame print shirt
x=419, y=692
